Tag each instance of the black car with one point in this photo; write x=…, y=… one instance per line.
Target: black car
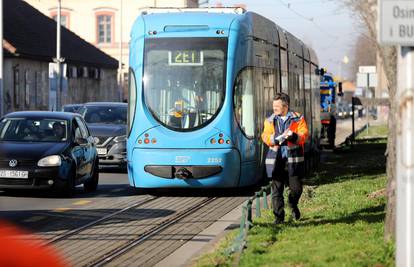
x=107, y=123
x=74, y=108
x=40, y=149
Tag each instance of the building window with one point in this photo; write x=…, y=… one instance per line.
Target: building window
x=16, y=85
x=105, y=28
x=26, y=89
x=64, y=18
x=38, y=89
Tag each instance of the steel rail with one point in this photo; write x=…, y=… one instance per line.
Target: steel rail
x=105, y=259
x=109, y=216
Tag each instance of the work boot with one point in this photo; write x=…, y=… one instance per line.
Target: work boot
x=280, y=218
x=295, y=212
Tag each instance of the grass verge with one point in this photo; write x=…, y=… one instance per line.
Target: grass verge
x=342, y=224
x=374, y=131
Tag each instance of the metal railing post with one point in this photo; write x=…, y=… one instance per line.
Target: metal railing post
x=258, y=213
x=249, y=214
x=243, y=219
x=265, y=204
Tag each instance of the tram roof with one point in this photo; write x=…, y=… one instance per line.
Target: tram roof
x=204, y=19
x=216, y=10
x=200, y=18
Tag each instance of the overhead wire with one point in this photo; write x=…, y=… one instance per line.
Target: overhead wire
x=310, y=19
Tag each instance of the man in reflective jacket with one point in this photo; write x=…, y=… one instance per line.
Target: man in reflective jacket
x=285, y=133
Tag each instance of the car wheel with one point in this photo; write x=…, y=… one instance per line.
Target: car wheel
x=92, y=184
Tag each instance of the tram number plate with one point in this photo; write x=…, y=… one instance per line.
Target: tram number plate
x=101, y=151
x=14, y=174
x=214, y=160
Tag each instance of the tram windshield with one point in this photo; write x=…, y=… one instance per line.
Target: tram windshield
x=184, y=80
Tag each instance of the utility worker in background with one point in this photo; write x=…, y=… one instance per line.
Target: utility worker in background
x=285, y=132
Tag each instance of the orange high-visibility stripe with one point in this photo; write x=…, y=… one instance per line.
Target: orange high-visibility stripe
x=301, y=129
x=268, y=132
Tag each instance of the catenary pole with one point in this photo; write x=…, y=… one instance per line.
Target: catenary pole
x=405, y=159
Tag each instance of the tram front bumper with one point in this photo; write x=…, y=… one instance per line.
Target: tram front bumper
x=150, y=168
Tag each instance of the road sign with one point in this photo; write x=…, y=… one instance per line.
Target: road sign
x=396, y=22
x=367, y=69
x=372, y=80
x=366, y=80
x=362, y=80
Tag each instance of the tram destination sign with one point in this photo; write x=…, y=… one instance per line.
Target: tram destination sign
x=185, y=58
x=396, y=22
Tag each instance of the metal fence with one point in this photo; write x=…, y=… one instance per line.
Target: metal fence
x=259, y=201
x=371, y=110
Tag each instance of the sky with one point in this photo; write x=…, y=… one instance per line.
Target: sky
x=325, y=25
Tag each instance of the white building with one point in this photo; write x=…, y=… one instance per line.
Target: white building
x=29, y=45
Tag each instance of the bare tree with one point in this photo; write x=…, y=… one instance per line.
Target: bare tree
x=363, y=53
x=367, y=11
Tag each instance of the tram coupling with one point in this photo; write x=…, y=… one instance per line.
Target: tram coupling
x=183, y=173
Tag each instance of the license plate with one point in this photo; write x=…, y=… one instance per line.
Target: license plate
x=14, y=174
x=101, y=151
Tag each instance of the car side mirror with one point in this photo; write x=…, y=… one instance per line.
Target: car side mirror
x=81, y=141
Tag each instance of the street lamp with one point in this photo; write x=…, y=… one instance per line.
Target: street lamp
x=58, y=60
x=345, y=61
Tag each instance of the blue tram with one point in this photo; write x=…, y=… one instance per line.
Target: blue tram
x=201, y=85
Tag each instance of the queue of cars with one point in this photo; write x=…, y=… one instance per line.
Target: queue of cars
x=60, y=150
x=344, y=110
x=107, y=123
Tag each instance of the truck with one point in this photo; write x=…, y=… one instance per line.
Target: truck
x=328, y=109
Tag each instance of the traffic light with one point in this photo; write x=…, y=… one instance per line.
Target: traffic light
x=340, y=92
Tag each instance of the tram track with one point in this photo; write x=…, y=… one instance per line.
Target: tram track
x=105, y=239
x=107, y=258
x=97, y=221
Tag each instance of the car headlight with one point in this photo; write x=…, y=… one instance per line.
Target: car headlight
x=121, y=138
x=50, y=161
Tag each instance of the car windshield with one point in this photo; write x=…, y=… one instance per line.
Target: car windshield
x=105, y=114
x=33, y=130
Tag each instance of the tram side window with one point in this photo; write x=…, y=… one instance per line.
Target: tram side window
x=301, y=83
x=284, y=70
x=244, y=104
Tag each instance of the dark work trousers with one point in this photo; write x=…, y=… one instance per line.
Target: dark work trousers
x=280, y=179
